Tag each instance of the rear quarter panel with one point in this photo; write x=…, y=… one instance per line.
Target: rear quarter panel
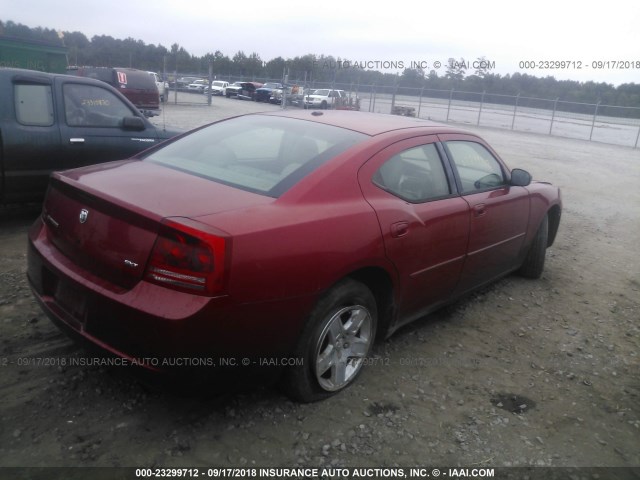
x=282, y=251
x=318, y=232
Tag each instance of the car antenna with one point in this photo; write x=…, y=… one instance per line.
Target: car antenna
x=164, y=116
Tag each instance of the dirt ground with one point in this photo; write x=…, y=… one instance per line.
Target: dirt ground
x=540, y=373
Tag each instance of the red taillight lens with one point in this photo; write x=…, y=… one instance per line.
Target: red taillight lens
x=187, y=258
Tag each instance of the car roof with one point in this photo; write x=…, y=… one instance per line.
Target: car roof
x=23, y=73
x=365, y=122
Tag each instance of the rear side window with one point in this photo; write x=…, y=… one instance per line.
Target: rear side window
x=415, y=175
x=477, y=167
x=34, y=105
x=92, y=106
x=260, y=153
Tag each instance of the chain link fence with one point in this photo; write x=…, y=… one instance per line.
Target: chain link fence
x=586, y=121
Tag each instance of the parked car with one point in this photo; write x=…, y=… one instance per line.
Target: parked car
x=163, y=87
x=233, y=89
x=54, y=122
x=218, y=87
x=324, y=98
x=182, y=83
x=248, y=90
x=263, y=94
x=290, y=238
x=198, y=86
x=295, y=96
x=134, y=84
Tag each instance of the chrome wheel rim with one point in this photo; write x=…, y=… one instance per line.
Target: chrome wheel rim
x=342, y=347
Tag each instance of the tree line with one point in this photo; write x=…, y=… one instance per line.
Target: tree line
x=104, y=50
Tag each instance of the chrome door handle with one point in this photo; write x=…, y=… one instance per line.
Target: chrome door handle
x=76, y=140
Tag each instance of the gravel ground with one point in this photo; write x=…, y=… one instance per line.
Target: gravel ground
x=522, y=373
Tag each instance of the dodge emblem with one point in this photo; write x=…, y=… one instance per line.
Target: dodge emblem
x=84, y=214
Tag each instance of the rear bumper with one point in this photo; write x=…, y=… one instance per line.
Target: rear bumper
x=155, y=327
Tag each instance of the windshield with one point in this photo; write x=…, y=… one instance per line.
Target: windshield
x=271, y=85
x=257, y=153
x=323, y=93
x=218, y=84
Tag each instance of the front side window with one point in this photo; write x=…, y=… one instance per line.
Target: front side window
x=477, y=167
x=415, y=175
x=261, y=154
x=92, y=106
x=34, y=104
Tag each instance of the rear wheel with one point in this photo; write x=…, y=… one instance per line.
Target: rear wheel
x=334, y=343
x=534, y=262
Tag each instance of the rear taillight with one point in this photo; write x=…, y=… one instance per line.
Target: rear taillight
x=188, y=258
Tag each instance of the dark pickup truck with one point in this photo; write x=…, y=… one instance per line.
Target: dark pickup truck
x=54, y=122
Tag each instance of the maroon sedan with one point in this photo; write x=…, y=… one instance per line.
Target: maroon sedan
x=289, y=238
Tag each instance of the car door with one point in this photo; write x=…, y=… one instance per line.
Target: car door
x=499, y=213
x=94, y=128
x=29, y=137
x=424, y=223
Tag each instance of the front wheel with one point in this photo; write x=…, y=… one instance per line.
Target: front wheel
x=334, y=344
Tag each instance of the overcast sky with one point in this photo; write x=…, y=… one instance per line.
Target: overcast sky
x=391, y=31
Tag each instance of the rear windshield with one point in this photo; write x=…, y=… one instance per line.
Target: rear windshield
x=257, y=153
x=103, y=74
x=136, y=80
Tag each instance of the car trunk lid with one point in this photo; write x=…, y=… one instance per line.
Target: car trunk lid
x=106, y=218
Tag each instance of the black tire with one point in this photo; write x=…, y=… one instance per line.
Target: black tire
x=341, y=330
x=323, y=105
x=533, y=265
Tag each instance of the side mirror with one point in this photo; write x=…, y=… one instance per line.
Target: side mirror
x=520, y=178
x=133, y=123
